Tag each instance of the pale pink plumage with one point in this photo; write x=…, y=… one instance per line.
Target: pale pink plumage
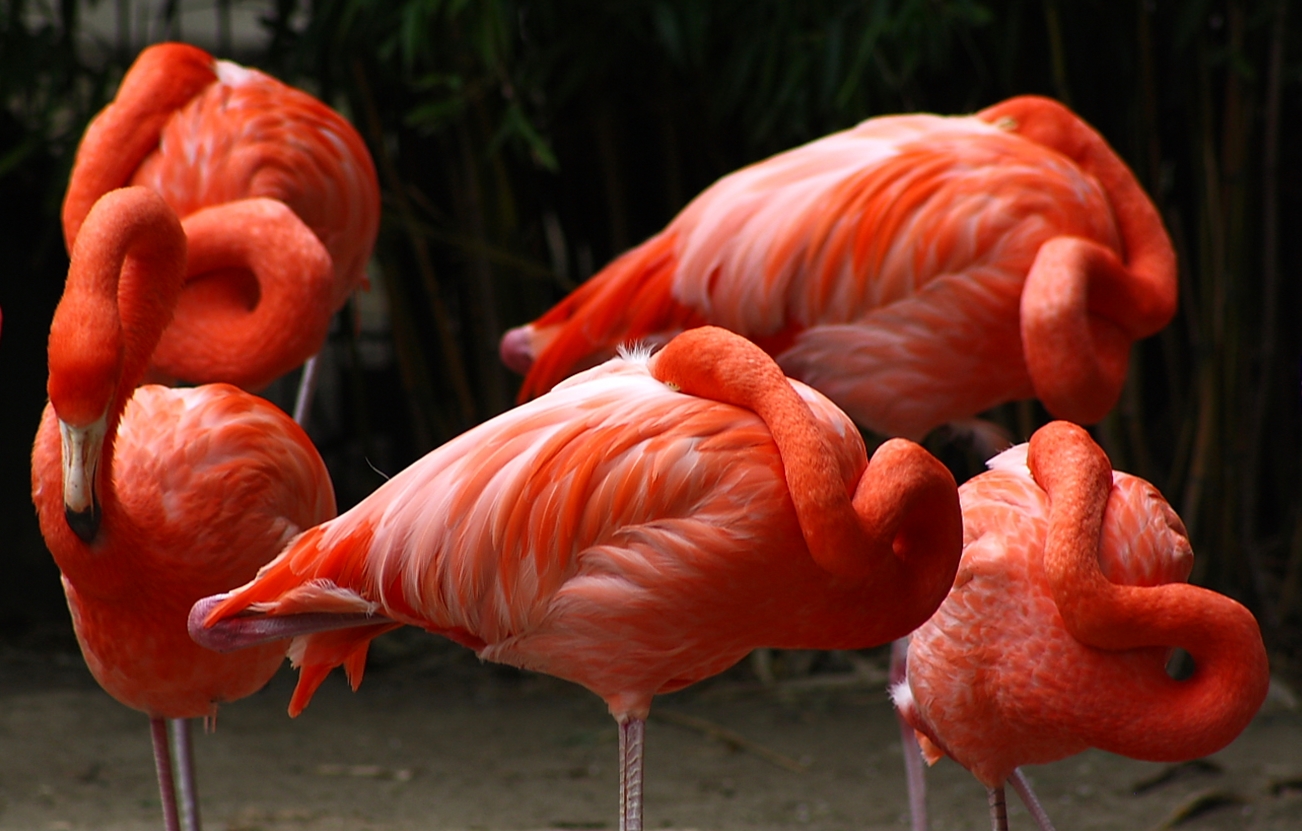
x=885, y=266
x=629, y=531
x=585, y=535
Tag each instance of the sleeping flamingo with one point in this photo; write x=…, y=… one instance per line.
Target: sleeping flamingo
x=1056, y=634
x=228, y=146
x=637, y=529
x=915, y=269
x=150, y=498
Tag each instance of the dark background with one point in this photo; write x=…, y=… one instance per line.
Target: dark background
x=521, y=145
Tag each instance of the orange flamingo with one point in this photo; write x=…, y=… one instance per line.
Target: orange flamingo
x=1056, y=634
x=151, y=498
x=915, y=269
x=639, y=528
x=226, y=145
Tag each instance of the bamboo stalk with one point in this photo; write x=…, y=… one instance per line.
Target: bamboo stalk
x=412, y=369
x=452, y=359
x=485, y=325
x=1258, y=396
x=1057, y=51
x=608, y=153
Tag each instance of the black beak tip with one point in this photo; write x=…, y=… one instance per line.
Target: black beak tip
x=85, y=524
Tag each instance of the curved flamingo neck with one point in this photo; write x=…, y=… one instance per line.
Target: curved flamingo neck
x=902, y=528
x=216, y=334
x=162, y=79
x=1167, y=720
x=1144, y=299
x=127, y=267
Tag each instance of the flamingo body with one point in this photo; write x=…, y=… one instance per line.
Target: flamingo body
x=915, y=269
x=192, y=490
x=1009, y=671
x=212, y=137
x=618, y=533
x=207, y=486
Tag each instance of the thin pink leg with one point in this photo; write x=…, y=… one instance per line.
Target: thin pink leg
x=306, y=389
x=998, y=808
x=163, y=766
x=1023, y=788
x=183, y=752
x=631, y=734
x=914, y=774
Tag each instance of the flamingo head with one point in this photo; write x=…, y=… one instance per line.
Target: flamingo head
x=85, y=359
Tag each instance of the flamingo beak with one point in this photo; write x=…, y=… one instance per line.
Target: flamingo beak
x=82, y=447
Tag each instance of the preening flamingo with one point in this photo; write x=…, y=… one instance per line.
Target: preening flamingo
x=1056, y=634
x=229, y=146
x=150, y=498
x=915, y=269
x=640, y=527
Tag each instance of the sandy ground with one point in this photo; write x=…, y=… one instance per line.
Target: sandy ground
x=433, y=740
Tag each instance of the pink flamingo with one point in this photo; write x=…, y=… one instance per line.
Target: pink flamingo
x=1056, y=634
x=637, y=529
x=915, y=269
x=150, y=498
x=226, y=145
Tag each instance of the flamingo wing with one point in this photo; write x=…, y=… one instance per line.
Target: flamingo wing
x=215, y=471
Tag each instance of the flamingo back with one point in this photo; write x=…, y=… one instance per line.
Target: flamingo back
x=249, y=135
x=864, y=218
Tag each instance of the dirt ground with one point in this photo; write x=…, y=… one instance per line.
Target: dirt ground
x=433, y=740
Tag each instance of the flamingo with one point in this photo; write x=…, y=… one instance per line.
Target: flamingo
x=150, y=498
x=641, y=527
x=230, y=146
x=1056, y=634
x=915, y=269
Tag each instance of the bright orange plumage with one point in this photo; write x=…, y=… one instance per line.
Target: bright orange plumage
x=620, y=534
x=1056, y=634
x=180, y=492
x=223, y=145
x=915, y=269
x=640, y=527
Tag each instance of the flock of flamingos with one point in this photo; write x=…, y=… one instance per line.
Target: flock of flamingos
x=679, y=501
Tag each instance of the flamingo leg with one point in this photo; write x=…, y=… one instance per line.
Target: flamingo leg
x=998, y=808
x=1023, y=787
x=183, y=752
x=632, y=731
x=306, y=389
x=163, y=766
x=914, y=774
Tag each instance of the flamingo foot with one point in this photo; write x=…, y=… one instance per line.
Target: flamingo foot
x=632, y=732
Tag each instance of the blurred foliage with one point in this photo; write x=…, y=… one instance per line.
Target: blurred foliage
x=521, y=145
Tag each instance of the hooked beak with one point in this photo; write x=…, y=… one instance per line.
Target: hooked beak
x=82, y=447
